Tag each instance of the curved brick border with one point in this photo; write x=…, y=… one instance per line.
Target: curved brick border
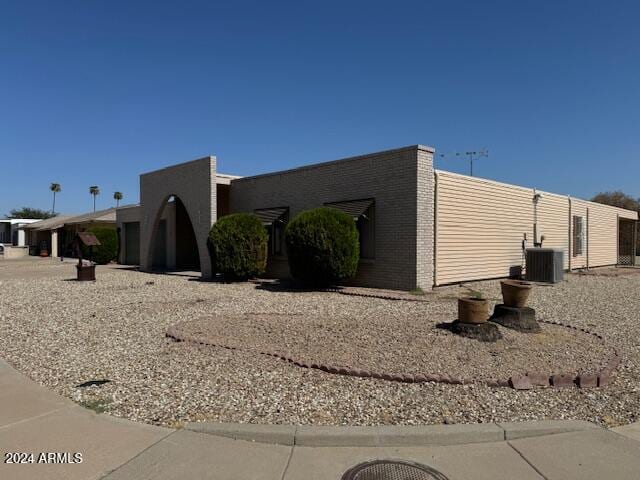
x=350, y=293
x=524, y=382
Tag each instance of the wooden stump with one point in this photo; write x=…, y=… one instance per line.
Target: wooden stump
x=484, y=332
x=520, y=319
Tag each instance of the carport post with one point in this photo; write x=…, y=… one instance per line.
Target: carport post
x=54, y=243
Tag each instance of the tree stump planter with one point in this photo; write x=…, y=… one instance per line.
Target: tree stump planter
x=484, y=332
x=515, y=292
x=520, y=319
x=86, y=273
x=473, y=310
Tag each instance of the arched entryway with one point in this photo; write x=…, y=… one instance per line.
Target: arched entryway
x=174, y=245
x=186, y=243
x=188, y=192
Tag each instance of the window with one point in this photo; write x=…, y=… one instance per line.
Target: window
x=276, y=238
x=578, y=235
x=274, y=220
x=363, y=213
x=366, y=229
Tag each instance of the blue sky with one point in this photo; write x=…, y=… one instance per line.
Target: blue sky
x=95, y=93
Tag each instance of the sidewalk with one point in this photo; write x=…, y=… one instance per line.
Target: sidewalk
x=33, y=419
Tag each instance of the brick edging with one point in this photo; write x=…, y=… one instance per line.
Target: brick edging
x=523, y=382
x=372, y=295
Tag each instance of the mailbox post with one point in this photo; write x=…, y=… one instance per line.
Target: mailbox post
x=86, y=271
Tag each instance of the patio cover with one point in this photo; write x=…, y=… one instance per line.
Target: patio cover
x=53, y=223
x=47, y=224
x=107, y=216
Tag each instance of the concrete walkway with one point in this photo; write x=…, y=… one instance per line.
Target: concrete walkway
x=35, y=420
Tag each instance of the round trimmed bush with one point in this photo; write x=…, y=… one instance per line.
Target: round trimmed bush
x=108, y=248
x=322, y=246
x=238, y=245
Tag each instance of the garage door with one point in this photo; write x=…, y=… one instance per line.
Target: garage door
x=132, y=243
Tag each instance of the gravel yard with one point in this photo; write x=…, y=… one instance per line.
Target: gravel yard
x=401, y=343
x=62, y=333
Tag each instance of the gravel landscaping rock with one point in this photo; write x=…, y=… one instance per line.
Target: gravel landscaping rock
x=64, y=333
x=401, y=344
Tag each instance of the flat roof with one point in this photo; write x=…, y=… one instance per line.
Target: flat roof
x=13, y=221
x=224, y=179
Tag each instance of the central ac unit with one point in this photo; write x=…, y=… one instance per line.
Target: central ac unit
x=545, y=265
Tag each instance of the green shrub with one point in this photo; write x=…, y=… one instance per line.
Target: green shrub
x=238, y=245
x=108, y=248
x=322, y=246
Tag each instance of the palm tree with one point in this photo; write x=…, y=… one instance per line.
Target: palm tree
x=55, y=188
x=117, y=196
x=95, y=191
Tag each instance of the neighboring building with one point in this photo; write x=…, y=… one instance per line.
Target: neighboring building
x=11, y=233
x=419, y=227
x=12, y=238
x=55, y=235
x=46, y=235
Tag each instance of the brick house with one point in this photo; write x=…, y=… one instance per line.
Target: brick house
x=419, y=227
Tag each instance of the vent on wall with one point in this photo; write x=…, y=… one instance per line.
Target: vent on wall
x=545, y=265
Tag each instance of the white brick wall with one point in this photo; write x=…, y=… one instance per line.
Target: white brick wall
x=401, y=181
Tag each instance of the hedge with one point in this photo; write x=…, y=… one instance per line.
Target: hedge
x=238, y=246
x=108, y=248
x=322, y=246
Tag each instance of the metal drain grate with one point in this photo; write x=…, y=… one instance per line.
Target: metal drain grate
x=392, y=470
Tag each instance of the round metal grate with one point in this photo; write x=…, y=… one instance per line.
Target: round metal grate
x=392, y=470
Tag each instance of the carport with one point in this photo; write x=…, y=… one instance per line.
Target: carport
x=627, y=241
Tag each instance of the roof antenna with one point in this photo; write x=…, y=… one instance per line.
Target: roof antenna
x=475, y=155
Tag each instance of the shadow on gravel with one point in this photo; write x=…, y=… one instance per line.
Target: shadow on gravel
x=131, y=268
x=91, y=383
x=445, y=325
x=286, y=286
